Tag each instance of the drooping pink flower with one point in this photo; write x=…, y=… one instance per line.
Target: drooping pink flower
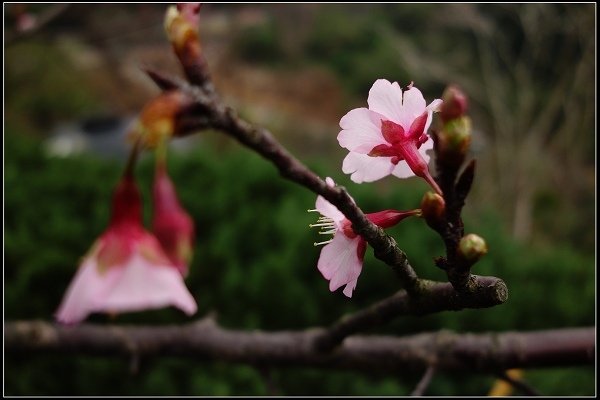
x=126, y=269
x=341, y=260
x=171, y=224
x=389, y=137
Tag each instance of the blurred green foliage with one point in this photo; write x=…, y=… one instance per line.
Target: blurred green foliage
x=355, y=49
x=36, y=73
x=259, y=43
x=255, y=266
x=348, y=43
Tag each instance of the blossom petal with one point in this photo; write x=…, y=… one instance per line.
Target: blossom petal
x=402, y=170
x=426, y=149
x=350, y=288
x=339, y=262
x=365, y=168
x=328, y=210
x=413, y=105
x=361, y=130
x=87, y=287
x=386, y=99
x=435, y=105
x=428, y=123
x=143, y=285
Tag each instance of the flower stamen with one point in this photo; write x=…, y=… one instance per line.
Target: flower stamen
x=323, y=224
x=326, y=225
x=329, y=232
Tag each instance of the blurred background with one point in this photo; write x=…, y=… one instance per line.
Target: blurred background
x=73, y=84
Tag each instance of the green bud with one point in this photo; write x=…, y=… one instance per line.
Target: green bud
x=454, y=141
x=472, y=247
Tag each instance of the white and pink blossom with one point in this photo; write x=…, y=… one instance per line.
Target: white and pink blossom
x=342, y=257
x=390, y=137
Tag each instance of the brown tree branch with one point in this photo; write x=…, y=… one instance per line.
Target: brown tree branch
x=431, y=297
x=205, y=340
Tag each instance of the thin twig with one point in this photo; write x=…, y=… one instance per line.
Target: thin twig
x=424, y=382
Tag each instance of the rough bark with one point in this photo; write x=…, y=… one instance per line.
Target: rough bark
x=205, y=341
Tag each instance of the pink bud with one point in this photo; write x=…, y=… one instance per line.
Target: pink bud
x=171, y=224
x=433, y=208
x=181, y=26
x=454, y=104
x=190, y=12
x=388, y=218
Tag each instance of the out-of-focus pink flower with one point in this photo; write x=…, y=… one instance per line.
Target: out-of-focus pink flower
x=126, y=269
x=341, y=260
x=171, y=224
x=389, y=137
x=26, y=22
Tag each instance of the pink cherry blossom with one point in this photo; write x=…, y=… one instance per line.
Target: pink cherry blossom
x=389, y=137
x=341, y=260
x=171, y=224
x=126, y=269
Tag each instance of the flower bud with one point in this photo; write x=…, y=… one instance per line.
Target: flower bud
x=388, y=218
x=454, y=140
x=157, y=120
x=181, y=26
x=472, y=247
x=191, y=12
x=433, y=209
x=171, y=224
x=455, y=104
